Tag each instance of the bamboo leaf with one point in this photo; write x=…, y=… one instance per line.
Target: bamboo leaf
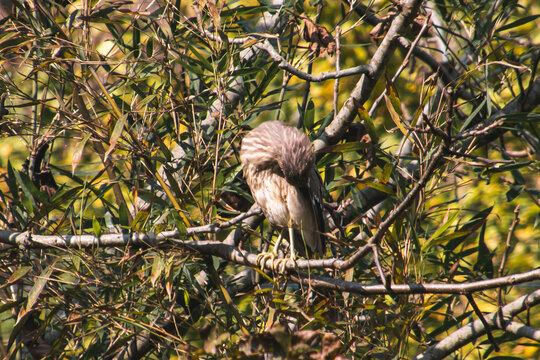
x=115, y=136
x=77, y=154
x=519, y=22
x=96, y=227
x=38, y=287
x=19, y=273
x=394, y=115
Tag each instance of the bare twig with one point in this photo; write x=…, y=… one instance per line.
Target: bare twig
x=405, y=203
x=26, y=239
x=511, y=230
x=338, y=68
x=322, y=282
x=243, y=257
x=479, y=130
x=379, y=267
x=487, y=162
x=285, y=65
x=478, y=313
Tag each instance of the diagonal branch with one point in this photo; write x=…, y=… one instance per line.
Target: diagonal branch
x=361, y=92
x=476, y=329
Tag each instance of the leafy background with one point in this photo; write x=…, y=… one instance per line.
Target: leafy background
x=120, y=100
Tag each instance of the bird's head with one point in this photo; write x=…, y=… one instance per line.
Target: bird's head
x=297, y=161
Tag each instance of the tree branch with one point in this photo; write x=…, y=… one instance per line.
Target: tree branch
x=323, y=282
x=522, y=330
x=285, y=65
x=335, y=130
x=243, y=257
x=29, y=240
x=476, y=329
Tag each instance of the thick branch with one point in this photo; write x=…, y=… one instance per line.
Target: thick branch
x=322, y=282
x=26, y=239
x=364, y=87
x=243, y=257
x=474, y=330
x=522, y=330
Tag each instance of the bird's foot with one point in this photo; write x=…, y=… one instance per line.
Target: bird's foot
x=281, y=264
x=263, y=257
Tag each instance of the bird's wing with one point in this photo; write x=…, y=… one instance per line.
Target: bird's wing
x=315, y=188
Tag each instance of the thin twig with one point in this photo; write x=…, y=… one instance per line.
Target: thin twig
x=379, y=267
x=507, y=244
x=338, y=68
x=511, y=230
x=483, y=320
x=480, y=159
x=285, y=65
x=479, y=130
x=323, y=282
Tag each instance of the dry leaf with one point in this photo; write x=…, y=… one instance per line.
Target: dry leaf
x=322, y=42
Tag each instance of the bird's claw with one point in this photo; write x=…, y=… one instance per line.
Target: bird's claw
x=279, y=265
x=263, y=257
x=283, y=263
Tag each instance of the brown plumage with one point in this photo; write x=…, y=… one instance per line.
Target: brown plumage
x=279, y=167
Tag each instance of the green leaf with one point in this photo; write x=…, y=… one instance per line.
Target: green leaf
x=472, y=116
x=346, y=147
x=507, y=167
x=514, y=192
x=363, y=114
x=361, y=184
x=223, y=62
x=387, y=171
x=96, y=226
x=157, y=268
x=204, y=62
x=12, y=182
x=245, y=72
x=77, y=154
x=518, y=22
x=139, y=220
x=484, y=260
x=309, y=116
x=39, y=285
x=468, y=228
x=115, y=136
x=435, y=238
x=520, y=118
x=394, y=114
x=19, y=273
x=123, y=215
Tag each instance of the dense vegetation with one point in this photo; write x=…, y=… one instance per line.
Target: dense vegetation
x=123, y=225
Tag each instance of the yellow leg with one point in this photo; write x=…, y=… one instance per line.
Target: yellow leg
x=291, y=236
x=293, y=253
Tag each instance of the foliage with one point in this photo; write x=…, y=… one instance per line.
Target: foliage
x=120, y=117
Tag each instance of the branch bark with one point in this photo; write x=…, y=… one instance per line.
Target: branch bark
x=243, y=257
x=474, y=330
x=335, y=130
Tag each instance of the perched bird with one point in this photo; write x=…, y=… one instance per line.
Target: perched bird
x=279, y=167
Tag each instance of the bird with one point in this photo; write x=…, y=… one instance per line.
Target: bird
x=278, y=163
